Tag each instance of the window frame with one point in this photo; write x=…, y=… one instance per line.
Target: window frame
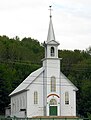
x=66, y=98
x=53, y=84
x=52, y=51
x=35, y=97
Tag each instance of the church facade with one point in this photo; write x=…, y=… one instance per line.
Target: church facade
x=46, y=91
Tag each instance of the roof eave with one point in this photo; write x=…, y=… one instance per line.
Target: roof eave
x=24, y=90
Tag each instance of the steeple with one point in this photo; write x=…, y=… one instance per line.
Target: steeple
x=51, y=35
x=51, y=45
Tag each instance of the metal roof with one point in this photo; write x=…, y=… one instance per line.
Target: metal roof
x=23, y=86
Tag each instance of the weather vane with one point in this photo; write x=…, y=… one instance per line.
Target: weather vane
x=50, y=8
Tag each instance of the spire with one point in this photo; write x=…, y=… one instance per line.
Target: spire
x=51, y=35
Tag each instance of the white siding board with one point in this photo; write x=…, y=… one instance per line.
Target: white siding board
x=35, y=109
x=15, y=109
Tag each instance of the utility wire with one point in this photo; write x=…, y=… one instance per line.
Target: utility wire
x=48, y=84
x=57, y=78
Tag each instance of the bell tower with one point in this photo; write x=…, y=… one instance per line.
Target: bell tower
x=51, y=65
x=51, y=46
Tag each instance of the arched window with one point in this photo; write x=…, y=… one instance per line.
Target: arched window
x=53, y=102
x=53, y=84
x=52, y=51
x=66, y=98
x=35, y=97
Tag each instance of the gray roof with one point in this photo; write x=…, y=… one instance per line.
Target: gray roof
x=23, y=86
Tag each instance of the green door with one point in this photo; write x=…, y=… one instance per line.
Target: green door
x=53, y=110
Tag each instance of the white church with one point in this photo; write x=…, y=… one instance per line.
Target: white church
x=46, y=91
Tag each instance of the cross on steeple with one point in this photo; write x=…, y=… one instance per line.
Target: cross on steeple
x=50, y=8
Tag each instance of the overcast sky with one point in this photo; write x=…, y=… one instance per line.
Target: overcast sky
x=30, y=18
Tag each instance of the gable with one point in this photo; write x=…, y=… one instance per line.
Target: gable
x=23, y=86
x=52, y=42
x=66, y=82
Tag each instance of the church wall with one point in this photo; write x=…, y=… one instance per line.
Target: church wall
x=18, y=102
x=68, y=109
x=35, y=109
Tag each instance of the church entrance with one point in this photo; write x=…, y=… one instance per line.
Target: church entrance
x=53, y=110
x=53, y=107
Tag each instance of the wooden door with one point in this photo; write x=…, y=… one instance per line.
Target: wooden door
x=53, y=111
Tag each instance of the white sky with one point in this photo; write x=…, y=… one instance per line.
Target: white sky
x=30, y=18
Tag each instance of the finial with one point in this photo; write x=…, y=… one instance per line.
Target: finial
x=50, y=8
